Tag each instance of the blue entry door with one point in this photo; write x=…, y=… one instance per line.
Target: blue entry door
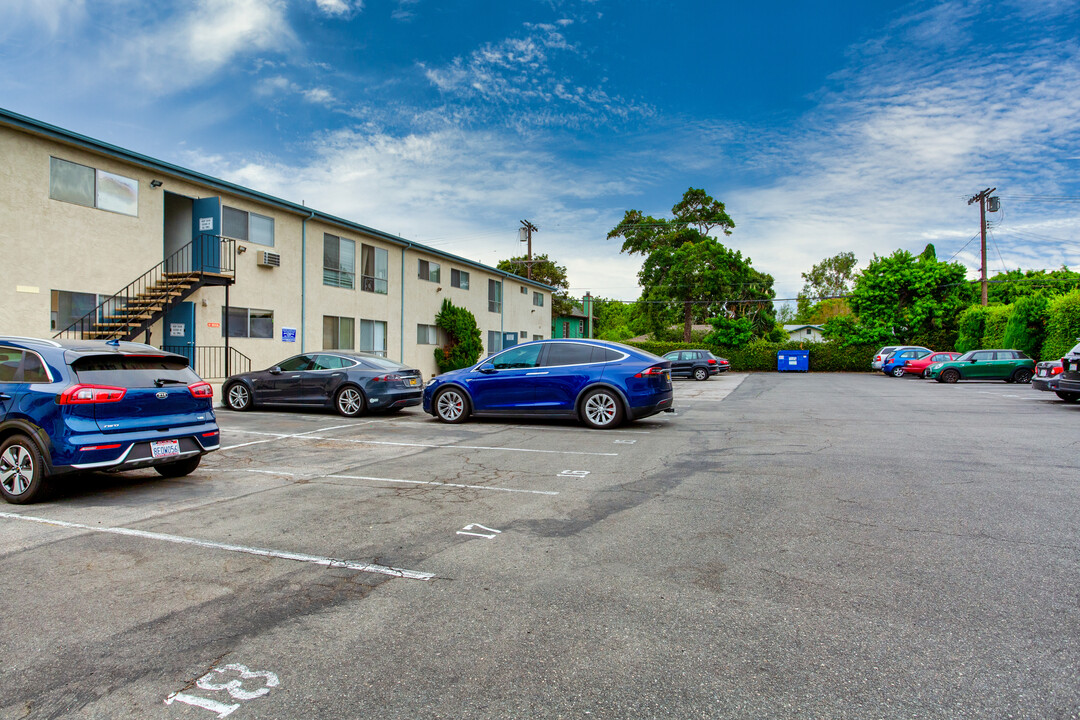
x=205, y=232
x=179, y=331
x=510, y=339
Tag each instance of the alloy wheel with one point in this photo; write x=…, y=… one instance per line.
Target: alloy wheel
x=601, y=409
x=16, y=469
x=450, y=406
x=350, y=402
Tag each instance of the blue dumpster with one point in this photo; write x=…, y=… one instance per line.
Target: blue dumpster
x=793, y=361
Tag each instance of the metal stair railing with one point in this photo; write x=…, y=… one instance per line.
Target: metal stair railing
x=145, y=300
x=209, y=360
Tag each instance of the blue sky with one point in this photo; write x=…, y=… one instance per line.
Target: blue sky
x=824, y=127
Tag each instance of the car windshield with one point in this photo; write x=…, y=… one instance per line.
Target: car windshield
x=1075, y=350
x=967, y=356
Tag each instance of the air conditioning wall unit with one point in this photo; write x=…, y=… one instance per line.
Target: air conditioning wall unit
x=269, y=259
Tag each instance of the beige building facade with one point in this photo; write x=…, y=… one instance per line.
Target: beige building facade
x=81, y=220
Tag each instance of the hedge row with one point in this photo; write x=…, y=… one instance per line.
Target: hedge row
x=1044, y=329
x=760, y=356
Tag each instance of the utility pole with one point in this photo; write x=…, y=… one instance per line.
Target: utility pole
x=527, y=229
x=981, y=199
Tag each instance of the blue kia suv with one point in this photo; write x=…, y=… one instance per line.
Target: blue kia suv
x=76, y=405
x=600, y=383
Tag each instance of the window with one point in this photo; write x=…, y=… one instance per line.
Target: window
x=524, y=335
x=538, y=337
x=330, y=362
x=296, y=364
x=427, y=335
x=495, y=296
x=83, y=185
x=68, y=307
x=538, y=299
x=250, y=227
x=373, y=336
x=374, y=269
x=249, y=323
x=524, y=290
x=581, y=328
x=566, y=328
x=339, y=262
x=459, y=279
x=527, y=356
x=568, y=354
x=494, y=343
x=429, y=271
x=337, y=333
x=983, y=356
x=22, y=366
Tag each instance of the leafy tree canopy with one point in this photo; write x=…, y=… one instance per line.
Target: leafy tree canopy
x=684, y=265
x=1008, y=287
x=829, y=279
x=463, y=339
x=547, y=271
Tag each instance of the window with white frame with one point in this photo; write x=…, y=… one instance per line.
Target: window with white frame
x=247, y=226
x=69, y=307
x=427, y=270
x=338, y=333
x=339, y=262
x=538, y=299
x=373, y=336
x=495, y=341
x=495, y=288
x=459, y=279
x=84, y=185
x=375, y=264
x=427, y=335
x=248, y=322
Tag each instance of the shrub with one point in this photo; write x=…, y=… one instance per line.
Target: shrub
x=972, y=326
x=1063, y=325
x=463, y=344
x=997, y=318
x=760, y=355
x=1027, y=325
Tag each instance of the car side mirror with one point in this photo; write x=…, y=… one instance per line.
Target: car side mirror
x=275, y=370
x=486, y=368
x=973, y=361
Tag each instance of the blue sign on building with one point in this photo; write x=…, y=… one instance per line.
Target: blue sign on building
x=288, y=334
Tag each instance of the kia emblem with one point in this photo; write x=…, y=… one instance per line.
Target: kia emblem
x=162, y=395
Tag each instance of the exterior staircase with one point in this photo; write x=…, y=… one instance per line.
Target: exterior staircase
x=207, y=260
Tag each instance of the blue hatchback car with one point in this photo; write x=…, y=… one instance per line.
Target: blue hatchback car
x=76, y=405
x=600, y=383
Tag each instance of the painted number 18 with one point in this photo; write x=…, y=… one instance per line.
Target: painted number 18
x=218, y=680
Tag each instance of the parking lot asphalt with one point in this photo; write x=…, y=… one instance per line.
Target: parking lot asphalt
x=785, y=546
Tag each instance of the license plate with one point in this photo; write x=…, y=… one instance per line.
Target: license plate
x=412, y=382
x=164, y=448
x=1042, y=373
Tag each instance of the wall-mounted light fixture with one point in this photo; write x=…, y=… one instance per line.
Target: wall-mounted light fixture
x=241, y=249
x=156, y=183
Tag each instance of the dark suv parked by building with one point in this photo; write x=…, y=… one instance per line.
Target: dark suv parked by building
x=698, y=364
x=73, y=405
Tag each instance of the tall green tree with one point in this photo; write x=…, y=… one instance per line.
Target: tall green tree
x=463, y=340
x=547, y=271
x=831, y=278
x=686, y=267
x=914, y=300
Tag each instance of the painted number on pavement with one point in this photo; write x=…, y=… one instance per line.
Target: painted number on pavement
x=488, y=533
x=573, y=473
x=236, y=680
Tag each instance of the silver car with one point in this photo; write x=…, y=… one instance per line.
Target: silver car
x=882, y=355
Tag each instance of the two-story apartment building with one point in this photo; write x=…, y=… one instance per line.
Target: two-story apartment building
x=99, y=241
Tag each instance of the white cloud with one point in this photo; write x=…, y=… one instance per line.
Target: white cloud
x=210, y=36
x=339, y=7
x=53, y=15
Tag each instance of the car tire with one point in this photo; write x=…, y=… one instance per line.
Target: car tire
x=237, y=397
x=1022, y=376
x=701, y=373
x=1069, y=397
x=22, y=470
x=601, y=409
x=179, y=468
x=451, y=405
x=898, y=371
x=949, y=376
x=349, y=401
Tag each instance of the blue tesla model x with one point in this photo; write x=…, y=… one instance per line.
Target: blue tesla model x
x=601, y=383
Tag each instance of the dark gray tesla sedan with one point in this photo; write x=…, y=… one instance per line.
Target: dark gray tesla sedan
x=349, y=382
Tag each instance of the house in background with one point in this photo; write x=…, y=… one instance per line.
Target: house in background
x=805, y=333
x=574, y=325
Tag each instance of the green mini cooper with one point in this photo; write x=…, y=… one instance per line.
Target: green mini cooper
x=1008, y=365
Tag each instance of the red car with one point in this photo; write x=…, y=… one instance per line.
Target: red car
x=918, y=367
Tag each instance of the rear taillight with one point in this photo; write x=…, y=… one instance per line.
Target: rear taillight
x=201, y=390
x=210, y=434
x=392, y=377
x=1057, y=370
x=651, y=372
x=99, y=447
x=877, y=358
x=711, y=361
x=89, y=394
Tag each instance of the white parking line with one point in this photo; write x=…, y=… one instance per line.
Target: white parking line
x=280, y=436
x=444, y=484
x=460, y=447
x=573, y=429
x=263, y=552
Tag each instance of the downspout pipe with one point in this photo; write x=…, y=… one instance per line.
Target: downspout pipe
x=401, y=355
x=303, y=278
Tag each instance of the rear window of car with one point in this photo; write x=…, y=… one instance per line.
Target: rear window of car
x=383, y=364
x=133, y=370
